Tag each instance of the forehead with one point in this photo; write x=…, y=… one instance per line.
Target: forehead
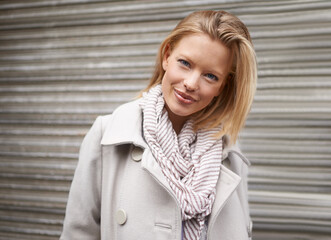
x=203, y=50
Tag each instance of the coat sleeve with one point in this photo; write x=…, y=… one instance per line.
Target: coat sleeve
x=82, y=219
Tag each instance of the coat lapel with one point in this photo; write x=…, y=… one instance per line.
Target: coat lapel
x=226, y=185
x=149, y=164
x=126, y=128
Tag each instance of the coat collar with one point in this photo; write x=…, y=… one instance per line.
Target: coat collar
x=125, y=126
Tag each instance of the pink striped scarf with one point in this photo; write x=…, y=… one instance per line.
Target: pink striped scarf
x=190, y=161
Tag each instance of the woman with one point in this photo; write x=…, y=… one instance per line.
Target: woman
x=166, y=165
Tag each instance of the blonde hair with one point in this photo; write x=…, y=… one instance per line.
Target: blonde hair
x=232, y=106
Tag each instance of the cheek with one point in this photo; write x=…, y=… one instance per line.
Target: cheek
x=218, y=92
x=166, y=83
x=210, y=99
x=168, y=77
x=211, y=91
x=165, y=79
x=218, y=89
x=209, y=95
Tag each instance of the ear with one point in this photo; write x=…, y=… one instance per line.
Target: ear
x=166, y=58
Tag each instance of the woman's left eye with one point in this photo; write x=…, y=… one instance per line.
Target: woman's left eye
x=211, y=76
x=184, y=62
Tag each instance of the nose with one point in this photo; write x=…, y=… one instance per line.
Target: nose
x=191, y=82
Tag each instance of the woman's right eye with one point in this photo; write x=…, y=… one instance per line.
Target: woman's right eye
x=184, y=62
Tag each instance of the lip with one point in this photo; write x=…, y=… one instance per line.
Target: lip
x=183, y=97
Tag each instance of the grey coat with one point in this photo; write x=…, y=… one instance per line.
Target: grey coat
x=119, y=191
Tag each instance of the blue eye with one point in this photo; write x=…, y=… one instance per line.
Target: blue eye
x=211, y=76
x=184, y=62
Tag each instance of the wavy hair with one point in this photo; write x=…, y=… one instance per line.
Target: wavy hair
x=233, y=104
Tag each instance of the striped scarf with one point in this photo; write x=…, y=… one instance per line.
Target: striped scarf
x=190, y=161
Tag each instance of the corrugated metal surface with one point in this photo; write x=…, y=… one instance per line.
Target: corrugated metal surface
x=62, y=63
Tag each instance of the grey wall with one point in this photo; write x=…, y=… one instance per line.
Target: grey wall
x=62, y=63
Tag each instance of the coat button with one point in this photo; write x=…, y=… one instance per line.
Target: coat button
x=137, y=153
x=121, y=216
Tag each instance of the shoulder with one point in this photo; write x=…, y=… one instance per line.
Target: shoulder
x=123, y=112
x=128, y=107
x=234, y=159
x=126, y=110
x=233, y=152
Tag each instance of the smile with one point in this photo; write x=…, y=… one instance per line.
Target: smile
x=183, y=97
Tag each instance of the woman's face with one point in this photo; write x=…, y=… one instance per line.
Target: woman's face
x=195, y=71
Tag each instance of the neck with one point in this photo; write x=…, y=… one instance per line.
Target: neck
x=177, y=121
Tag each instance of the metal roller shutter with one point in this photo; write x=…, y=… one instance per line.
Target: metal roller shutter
x=62, y=63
